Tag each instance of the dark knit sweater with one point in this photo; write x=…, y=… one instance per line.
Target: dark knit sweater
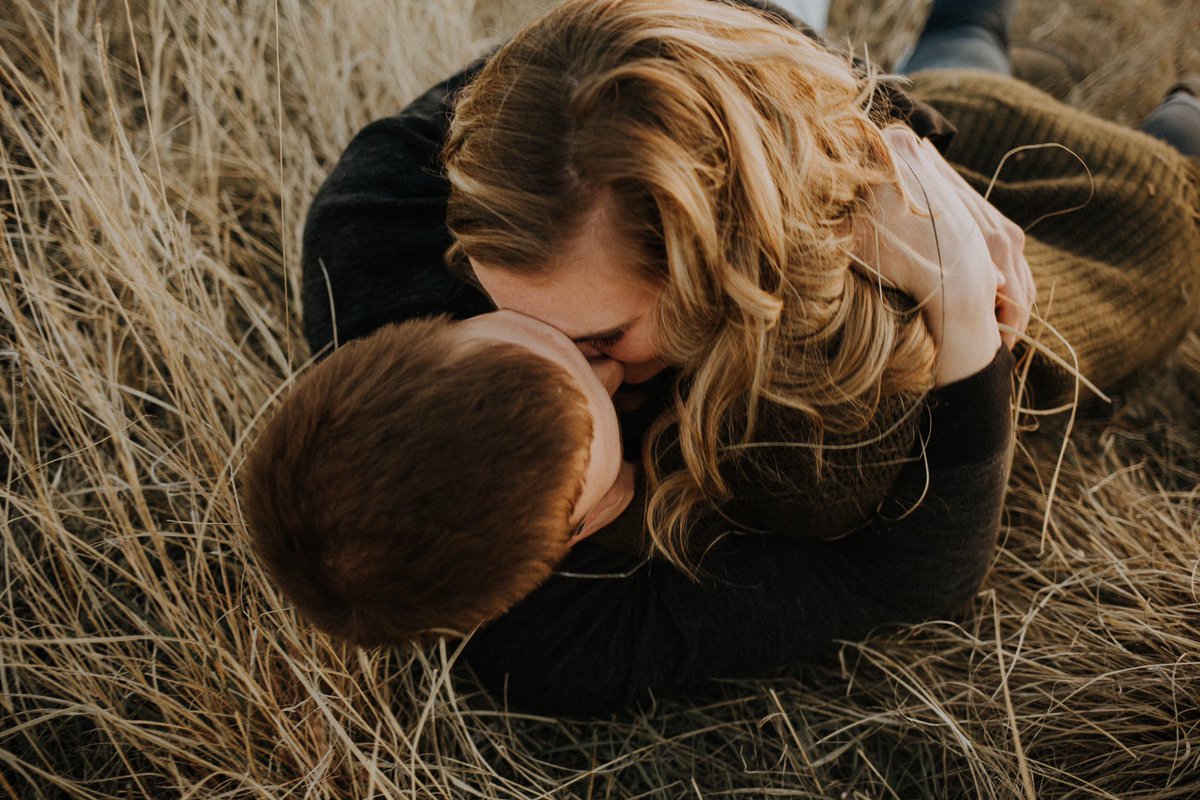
x=1112, y=218
x=585, y=644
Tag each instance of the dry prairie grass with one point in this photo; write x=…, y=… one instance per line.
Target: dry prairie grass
x=157, y=158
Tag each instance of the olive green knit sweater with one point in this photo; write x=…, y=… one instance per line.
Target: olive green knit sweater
x=1113, y=224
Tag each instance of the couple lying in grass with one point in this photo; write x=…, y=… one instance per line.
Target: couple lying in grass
x=748, y=390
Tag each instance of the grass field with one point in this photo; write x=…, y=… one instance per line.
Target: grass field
x=156, y=160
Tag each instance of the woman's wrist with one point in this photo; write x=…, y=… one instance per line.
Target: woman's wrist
x=964, y=348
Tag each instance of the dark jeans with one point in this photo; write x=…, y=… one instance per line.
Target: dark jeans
x=962, y=47
x=1175, y=121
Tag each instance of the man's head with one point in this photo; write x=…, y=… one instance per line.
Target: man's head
x=429, y=476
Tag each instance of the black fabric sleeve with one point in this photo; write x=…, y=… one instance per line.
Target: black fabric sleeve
x=376, y=231
x=586, y=644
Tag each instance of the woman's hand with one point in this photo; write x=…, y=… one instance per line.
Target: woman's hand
x=924, y=240
x=1016, y=291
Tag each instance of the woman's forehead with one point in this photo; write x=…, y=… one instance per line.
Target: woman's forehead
x=582, y=298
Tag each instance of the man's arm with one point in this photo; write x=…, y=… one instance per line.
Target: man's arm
x=376, y=230
x=591, y=645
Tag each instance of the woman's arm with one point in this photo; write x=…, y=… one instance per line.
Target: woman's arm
x=589, y=645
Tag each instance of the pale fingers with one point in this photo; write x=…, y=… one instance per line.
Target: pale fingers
x=1006, y=246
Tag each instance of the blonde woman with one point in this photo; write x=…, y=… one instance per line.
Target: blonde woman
x=714, y=200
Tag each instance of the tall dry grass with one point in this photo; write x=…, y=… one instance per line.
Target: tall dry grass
x=157, y=158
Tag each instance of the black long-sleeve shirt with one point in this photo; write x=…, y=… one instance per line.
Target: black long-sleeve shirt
x=586, y=645
x=373, y=246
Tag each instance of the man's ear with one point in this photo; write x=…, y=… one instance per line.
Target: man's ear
x=615, y=500
x=579, y=534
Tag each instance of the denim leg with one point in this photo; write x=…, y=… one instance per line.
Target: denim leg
x=967, y=47
x=1177, y=122
x=963, y=34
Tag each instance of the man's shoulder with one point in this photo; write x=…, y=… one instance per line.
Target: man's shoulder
x=400, y=147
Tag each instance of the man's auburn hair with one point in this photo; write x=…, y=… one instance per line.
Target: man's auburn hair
x=414, y=482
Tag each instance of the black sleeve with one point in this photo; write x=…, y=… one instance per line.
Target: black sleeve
x=585, y=644
x=376, y=231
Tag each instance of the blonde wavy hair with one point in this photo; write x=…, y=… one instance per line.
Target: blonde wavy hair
x=736, y=150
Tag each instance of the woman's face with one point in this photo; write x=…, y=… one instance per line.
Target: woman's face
x=593, y=293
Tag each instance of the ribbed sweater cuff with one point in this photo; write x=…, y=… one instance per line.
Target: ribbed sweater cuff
x=962, y=415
